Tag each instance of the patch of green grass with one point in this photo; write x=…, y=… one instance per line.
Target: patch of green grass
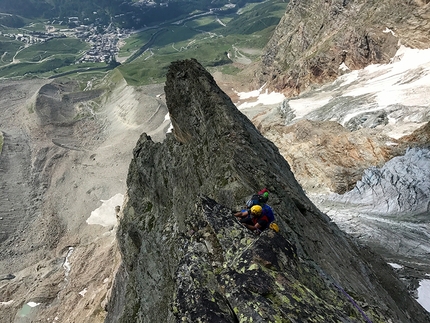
x=41, y=68
x=8, y=49
x=1, y=141
x=207, y=23
x=152, y=66
x=134, y=42
x=257, y=17
x=63, y=46
x=229, y=69
x=203, y=38
x=35, y=26
x=176, y=34
x=79, y=68
x=11, y=21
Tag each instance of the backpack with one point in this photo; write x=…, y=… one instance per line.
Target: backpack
x=267, y=211
x=274, y=227
x=254, y=200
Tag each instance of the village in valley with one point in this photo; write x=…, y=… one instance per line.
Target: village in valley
x=104, y=40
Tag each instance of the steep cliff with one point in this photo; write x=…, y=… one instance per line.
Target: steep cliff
x=186, y=259
x=394, y=196
x=315, y=38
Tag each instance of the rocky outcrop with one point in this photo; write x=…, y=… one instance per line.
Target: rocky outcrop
x=186, y=259
x=325, y=156
x=315, y=38
x=388, y=210
x=401, y=186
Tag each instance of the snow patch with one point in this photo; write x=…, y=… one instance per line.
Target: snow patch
x=388, y=30
x=33, y=304
x=304, y=106
x=83, y=292
x=167, y=118
x=66, y=265
x=396, y=266
x=424, y=294
x=343, y=67
x=396, y=83
x=260, y=97
x=105, y=215
x=264, y=99
x=404, y=82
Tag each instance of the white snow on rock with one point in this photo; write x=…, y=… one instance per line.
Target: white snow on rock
x=33, y=304
x=424, y=294
x=396, y=266
x=388, y=30
x=259, y=97
x=343, y=67
x=405, y=81
x=66, y=265
x=83, y=292
x=105, y=215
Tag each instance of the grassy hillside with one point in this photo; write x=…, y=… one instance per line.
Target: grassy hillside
x=125, y=13
x=40, y=58
x=8, y=50
x=218, y=42
x=52, y=48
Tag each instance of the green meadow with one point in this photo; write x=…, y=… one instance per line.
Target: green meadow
x=8, y=50
x=53, y=48
x=213, y=40
x=40, y=59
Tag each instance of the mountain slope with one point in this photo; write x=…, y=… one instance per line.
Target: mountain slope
x=315, y=38
x=186, y=259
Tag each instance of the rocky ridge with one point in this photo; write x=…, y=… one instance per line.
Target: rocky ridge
x=186, y=259
x=316, y=38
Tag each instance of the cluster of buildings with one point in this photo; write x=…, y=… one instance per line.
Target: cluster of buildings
x=32, y=37
x=104, y=45
x=103, y=41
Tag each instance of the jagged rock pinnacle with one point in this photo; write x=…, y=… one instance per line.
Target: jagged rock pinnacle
x=186, y=258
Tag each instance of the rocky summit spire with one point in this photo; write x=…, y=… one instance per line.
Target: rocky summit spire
x=185, y=258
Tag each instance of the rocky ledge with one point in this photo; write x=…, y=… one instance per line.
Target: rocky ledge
x=186, y=259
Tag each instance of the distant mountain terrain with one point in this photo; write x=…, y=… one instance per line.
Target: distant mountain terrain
x=126, y=13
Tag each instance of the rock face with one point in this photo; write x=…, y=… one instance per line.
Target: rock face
x=389, y=211
x=324, y=155
x=401, y=186
x=315, y=38
x=185, y=257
